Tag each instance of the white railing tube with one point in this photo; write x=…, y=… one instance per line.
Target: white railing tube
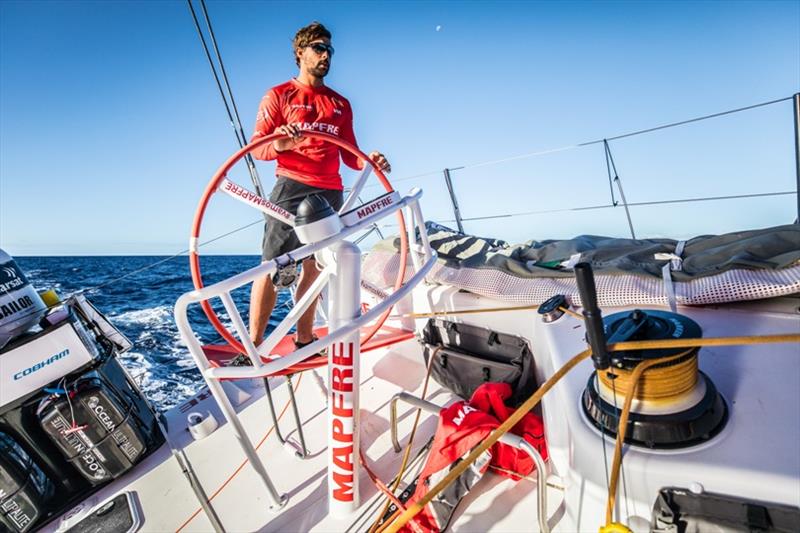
x=241, y=330
x=343, y=383
x=423, y=233
x=238, y=372
x=260, y=368
x=356, y=189
x=196, y=350
x=294, y=313
x=411, y=229
x=268, y=267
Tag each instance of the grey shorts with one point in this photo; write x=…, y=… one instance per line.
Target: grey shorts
x=280, y=238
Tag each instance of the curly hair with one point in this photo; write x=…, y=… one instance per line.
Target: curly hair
x=308, y=34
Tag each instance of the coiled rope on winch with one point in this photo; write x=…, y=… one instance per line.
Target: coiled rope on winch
x=536, y=397
x=663, y=381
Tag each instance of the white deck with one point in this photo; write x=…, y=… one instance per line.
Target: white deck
x=167, y=501
x=756, y=456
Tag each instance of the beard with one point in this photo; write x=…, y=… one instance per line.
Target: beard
x=320, y=70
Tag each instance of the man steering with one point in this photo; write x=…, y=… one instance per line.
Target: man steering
x=305, y=166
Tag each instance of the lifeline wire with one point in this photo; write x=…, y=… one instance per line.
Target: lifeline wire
x=606, y=139
x=182, y=252
x=632, y=204
x=531, y=154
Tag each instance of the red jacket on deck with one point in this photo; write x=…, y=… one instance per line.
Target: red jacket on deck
x=311, y=161
x=462, y=426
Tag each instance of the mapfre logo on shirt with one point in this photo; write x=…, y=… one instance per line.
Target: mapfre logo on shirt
x=323, y=127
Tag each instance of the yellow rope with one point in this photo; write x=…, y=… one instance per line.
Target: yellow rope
x=658, y=384
x=434, y=314
x=407, y=454
x=572, y=313
x=615, y=527
x=467, y=312
x=510, y=422
x=531, y=402
x=622, y=426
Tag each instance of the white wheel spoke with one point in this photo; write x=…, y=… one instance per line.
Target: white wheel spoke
x=356, y=190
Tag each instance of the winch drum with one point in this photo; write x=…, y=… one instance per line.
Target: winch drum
x=680, y=407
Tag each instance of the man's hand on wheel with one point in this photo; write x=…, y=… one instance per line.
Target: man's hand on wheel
x=294, y=133
x=381, y=161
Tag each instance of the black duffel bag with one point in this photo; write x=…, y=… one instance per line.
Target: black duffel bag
x=467, y=356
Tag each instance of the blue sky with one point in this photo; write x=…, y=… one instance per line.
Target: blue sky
x=111, y=125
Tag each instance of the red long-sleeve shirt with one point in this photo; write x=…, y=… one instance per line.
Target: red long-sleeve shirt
x=311, y=161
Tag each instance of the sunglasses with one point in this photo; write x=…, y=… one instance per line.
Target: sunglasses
x=321, y=48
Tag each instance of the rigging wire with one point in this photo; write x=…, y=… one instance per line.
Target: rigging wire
x=238, y=125
x=233, y=117
x=632, y=204
x=609, y=166
x=609, y=163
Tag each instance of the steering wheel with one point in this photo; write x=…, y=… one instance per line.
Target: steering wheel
x=214, y=185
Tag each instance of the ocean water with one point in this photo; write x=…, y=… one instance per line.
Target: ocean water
x=137, y=294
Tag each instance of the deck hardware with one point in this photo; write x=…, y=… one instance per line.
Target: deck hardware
x=342, y=338
x=593, y=317
x=551, y=308
x=302, y=451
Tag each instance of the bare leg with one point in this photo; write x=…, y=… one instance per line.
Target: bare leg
x=305, y=325
x=262, y=301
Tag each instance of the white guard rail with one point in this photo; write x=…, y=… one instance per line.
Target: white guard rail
x=263, y=364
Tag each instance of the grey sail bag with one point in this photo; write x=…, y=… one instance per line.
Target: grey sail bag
x=467, y=356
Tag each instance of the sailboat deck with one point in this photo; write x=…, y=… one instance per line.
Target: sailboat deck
x=239, y=497
x=755, y=456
